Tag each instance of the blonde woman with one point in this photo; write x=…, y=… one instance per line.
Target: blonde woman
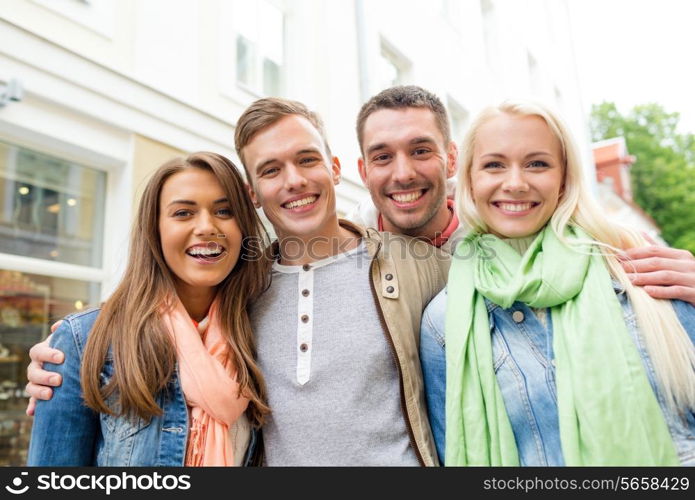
x=540, y=351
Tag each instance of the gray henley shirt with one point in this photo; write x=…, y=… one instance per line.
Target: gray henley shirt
x=332, y=380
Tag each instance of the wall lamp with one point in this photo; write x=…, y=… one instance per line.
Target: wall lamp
x=10, y=91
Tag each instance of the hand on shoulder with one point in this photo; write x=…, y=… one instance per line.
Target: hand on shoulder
x=665, y=273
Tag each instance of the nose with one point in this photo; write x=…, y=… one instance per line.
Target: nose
x=515, y=180
x=403, y=173
x=205, y=224
x=294, y=178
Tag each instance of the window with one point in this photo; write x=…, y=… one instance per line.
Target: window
x=29, y=303
x=452, y=12
x=490, y=34
x=394, y=68
x=244, y=61
x=51, y=242
x=49, y=208
x=259, y=28
x=459, y=119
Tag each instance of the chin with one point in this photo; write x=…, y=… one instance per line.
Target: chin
x=406, y=221
x=208, y=283
x=513, y=232
x=300, y=230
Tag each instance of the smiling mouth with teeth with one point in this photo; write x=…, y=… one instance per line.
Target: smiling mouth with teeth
x=407, y=197
x=300, y=203
x=516, y=207
x=212, y=251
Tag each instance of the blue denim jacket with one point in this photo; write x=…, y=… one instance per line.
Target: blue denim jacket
x=66, y=432
x=524, y=365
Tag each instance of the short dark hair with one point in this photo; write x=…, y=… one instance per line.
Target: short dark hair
x=404, y=96
x=264, y=113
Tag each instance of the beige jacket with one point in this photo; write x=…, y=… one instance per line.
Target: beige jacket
x=406, y=274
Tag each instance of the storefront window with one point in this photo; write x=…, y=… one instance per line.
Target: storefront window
x=29, y=303
x=51, y=211
x=49, y=208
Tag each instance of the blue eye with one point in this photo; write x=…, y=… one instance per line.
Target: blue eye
x=270, y=171
x=538, y=164
x=493, y=164
x=182, y=213
x=226, y=212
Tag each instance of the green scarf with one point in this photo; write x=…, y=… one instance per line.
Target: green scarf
x=608, y=414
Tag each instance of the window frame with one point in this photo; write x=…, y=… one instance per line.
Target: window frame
x=32, y=265
x=256, y=85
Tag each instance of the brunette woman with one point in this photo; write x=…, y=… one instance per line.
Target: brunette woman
x=164, y=372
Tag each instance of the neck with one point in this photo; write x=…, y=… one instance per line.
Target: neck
x=298, y=250
x=433, y=228
x=521, y=243
x=196, y=301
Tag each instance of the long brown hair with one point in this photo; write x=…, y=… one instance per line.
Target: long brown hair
x=129, y=328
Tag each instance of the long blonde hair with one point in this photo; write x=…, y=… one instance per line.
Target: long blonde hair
x=670, y=349
x=129, y=327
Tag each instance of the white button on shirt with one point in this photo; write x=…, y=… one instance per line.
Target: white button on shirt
x=518, y=316
x=305, y=326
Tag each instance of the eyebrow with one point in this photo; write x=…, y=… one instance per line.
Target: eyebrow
x=421, y=140
x=376, y=147
x=306, y=151
x=538, y=153
x=414, y=141
x=193, y=203
x=533, y=153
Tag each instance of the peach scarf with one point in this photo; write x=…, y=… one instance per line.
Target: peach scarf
x=208, y=380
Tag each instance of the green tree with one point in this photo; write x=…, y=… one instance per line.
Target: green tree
x=663, y=177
